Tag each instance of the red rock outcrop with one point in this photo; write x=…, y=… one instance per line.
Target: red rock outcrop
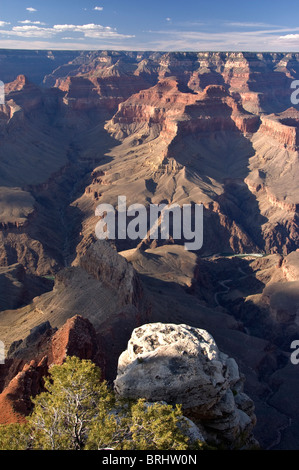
x=167, y=107
x=15, y=403
x=100, y=87
x=24, y=93
x=216, y=110
x=161, y=106
x=283, y=127
x=21, y=377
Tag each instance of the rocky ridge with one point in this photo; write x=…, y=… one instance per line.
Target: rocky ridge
x=189, y=130
x=28, y=361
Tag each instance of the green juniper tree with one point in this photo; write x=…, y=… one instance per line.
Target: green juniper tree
x=15, y=437
x=139, y=426
x=63, y=414
x=78, y=411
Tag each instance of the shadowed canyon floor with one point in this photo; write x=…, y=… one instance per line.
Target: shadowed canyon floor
x=82, y=128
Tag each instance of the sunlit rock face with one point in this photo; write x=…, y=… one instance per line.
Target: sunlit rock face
x=181, y=364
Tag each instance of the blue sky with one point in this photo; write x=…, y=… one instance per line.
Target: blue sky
x=217, y=25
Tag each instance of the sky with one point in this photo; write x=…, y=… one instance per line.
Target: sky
x=164, y=25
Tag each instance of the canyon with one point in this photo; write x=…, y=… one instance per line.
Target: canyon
x=81, y=128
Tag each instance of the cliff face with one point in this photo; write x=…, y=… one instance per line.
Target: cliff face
x=107, y=91
x=29, y=360
x=109, y=295
x=167, y=107
x=215, y=128
x=104, y=264
x=104, y=288
x=283, y=128
x=24, y=93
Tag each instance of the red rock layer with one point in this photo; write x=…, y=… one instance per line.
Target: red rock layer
x=284, y=128
x=166, y=106
x=22, y=375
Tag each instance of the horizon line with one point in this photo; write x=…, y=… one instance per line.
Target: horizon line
x=217, y=51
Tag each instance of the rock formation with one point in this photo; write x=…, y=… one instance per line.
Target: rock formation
x=28, y=362
x=192, y=127
x=105, y=289
x=105, y=264
x=181, y=364
x=217, y=128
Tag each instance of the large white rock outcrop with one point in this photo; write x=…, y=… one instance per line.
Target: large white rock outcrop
x=182, y=364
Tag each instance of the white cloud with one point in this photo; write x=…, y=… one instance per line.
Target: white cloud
x=31, y=9
x=29, y=31
x=87, y=30
x=168, y=19
x=107, y=35
x=64, y=27
x=254, y=40
x=241, y=24
x=31, y=22
x=28, y=28
x=290, y=36
x=91, y=30
x=81, y=28
x=34, y=35
x=98, y=8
